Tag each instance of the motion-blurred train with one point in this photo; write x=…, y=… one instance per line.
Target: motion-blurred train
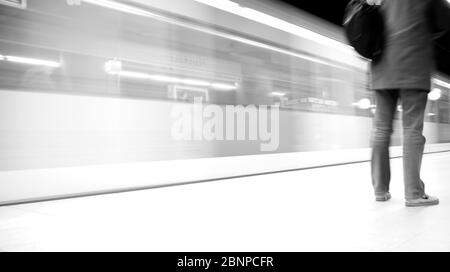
x=86, y=83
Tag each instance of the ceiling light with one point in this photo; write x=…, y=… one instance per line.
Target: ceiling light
x=119, y=7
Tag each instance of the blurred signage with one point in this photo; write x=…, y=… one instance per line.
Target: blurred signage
x=196, y=61
x=310, y=103
x=15, y=3
x=187, y=93
x=319, y=101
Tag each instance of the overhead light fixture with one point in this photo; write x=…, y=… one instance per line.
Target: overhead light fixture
x=120, y=7
x=221, y=4
x=435, y=94
x=431, y=114
x=30, y=61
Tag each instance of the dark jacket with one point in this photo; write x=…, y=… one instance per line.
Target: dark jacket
x=408, y=58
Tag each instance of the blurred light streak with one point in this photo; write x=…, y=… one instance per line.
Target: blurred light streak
x=277, y=94
x=113, y=67
x=120, y=7
x=129, y=74
x=441, y=83
x=224, y=87
x=31, y=61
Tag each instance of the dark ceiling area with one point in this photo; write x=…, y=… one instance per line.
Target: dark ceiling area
x=333, y=11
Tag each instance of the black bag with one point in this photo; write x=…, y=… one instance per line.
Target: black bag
x=364, y=28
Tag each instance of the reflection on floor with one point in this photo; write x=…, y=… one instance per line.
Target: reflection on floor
x=329, y=209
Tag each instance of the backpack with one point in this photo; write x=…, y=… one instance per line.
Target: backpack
x=364, y=28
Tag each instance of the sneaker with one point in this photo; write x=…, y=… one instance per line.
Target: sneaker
x=383, y=197
x=425, y=200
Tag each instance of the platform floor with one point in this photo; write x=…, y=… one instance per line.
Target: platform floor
x=326, y=209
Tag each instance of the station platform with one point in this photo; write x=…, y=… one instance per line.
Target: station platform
x=321, y=209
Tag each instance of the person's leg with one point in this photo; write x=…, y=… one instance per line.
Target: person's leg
x=386, y=101
x=414, y=103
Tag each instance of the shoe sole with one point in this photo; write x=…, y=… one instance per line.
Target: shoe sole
x=383, y=198
x=431, y=203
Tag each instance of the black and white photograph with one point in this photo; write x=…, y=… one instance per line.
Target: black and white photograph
x=205, y=126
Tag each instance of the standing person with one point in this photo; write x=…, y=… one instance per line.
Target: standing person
x=403, y=74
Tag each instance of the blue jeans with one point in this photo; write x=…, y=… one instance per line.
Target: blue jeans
x=413, y=103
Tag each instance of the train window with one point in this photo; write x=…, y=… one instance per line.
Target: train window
x=137, y=57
